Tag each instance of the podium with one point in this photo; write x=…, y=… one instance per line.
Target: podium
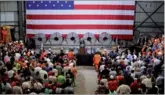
x=83, y=58
x=82, y=48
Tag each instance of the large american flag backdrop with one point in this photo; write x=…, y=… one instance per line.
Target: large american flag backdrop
x=48, y=17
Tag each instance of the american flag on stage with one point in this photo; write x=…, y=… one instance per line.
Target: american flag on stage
x=113, y=17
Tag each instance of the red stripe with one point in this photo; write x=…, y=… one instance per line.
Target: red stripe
x=123, y=37
x=105, y=7
x=129, y=27
x=94, y=17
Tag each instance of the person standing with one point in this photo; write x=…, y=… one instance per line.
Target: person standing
x=96, y=61
x=4, y=34
x=70, y=54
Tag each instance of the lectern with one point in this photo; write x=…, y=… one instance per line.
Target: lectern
x=82, y=47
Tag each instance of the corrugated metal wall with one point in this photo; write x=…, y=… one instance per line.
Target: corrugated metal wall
x=142, y=9
x=9, y=15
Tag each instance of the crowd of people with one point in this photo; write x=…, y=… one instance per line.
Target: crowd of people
x=132, y=72
x=24, y=71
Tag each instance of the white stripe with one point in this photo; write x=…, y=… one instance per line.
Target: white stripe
x=80, y=12
x=79, y=31
x=82, y=22
x=105, y=2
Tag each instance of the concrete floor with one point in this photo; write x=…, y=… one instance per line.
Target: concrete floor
x=86, y=82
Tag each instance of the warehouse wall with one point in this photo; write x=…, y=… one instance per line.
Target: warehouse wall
x=149, y=26
x=10, y=14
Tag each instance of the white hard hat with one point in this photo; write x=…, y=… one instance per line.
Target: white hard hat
x=26, y=61
x=112, y=77
x=118, y=57
x=50, y=49
x=20, y=41
x=122, y=56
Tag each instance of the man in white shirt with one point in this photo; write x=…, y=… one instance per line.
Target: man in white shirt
x=52, y=79
x=102, y=67
x=156, y=61
x=71, y=65
x=66, y=69
x=26, y=85
x=123, y=89
x=126, y=61
x=17, y=56
x=123, y=55
x=55, y=71
x=17, y=89
x=134, y=56
x=10, y=73
x=42, y=74
x=50, y=64
x=37, y=69
x=72, y=62
x=38, y=86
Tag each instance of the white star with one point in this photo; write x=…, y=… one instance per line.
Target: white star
x=41, y=1
x=49, y=1
x=65, y=1
x=54, y=5
x=37, y=5
x=62, y=5
x=29, y=5
x=33, y=1
x=45, y=5
x=57, y=1
x=69, y=5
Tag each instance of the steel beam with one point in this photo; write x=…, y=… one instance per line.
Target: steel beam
x=135, y=16
x=148, y=16
x=20, y=20
x=150, y=12
x=0, y=14
x=160, y=1
x=150, y=26
x=0, y=19
x=151, y=17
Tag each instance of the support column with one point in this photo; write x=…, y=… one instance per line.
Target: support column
x=0, y=20
x=0, y=14
x=20, y=20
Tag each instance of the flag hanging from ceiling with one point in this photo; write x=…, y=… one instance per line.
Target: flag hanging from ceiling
x=48, y=17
